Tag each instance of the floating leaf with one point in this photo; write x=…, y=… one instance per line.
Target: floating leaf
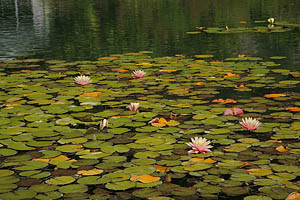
x=274, y=95
x=90, y=172
x=294, y=109
x=5, y=172
x=92, y=94
x=69, y=148
x=259, y=172
x=145, y=178
x=198, y=166
x=293, y=196
x=202, y=160
x=73, y=188
x=122, y=185
x=224, y=101
x=160, y=168
x=282, y=149
x=257, y=197
x=61, y=180
x=140, y=170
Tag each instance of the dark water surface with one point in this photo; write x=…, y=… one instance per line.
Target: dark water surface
x=87, y=29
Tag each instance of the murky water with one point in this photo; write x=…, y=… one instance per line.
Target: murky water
x=77, y=30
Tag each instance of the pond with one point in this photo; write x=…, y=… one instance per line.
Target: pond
x=105, y=99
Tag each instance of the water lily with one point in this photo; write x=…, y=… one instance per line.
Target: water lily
x=134, y=106
x=199, y=145
x=271, y=20
x=138, y=74
x=233, y=111
x=82, y=80
x=250, y=123
x=103, y=124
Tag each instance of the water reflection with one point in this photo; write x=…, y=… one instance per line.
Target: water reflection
x=17, y=30
x=41, y=22
x=87, y=29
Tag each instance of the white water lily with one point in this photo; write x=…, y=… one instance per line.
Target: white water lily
x=82, y=80
x=250, y=123
x=199, y=145
x=271, y=20
x=103, y=124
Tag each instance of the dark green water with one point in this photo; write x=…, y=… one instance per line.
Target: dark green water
x=87, y=29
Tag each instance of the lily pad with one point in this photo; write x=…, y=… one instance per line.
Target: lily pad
x=123, y=185
x=61, y=180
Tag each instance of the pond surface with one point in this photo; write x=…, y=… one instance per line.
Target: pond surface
x=86, y=29
x=202, y=60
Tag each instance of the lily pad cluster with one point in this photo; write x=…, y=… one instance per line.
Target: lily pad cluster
x=251, y=27
x=51, y=145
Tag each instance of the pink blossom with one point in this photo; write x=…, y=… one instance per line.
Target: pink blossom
x=233, y=111
x=199, y=145
x=250, y=123
x=134, y=106
x=238, y=111
x=228, y=112
x=82, y=80
x=138, y=74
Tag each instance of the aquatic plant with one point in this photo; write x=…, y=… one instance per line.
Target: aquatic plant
x=250, y=123
x=177, y=105
x=138, y=74
x=271, y=20
x=233, y=111
x=82, y=80
x=103, y=124
x=134, y=106
x=199, y=145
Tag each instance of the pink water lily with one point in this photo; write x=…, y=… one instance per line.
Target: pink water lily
x=138, y=74
x=233, y=111
x=82, y=80
x=199, y=145
x=134, y=106
x=250, y=123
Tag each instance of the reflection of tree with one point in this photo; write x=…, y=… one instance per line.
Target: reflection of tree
x=85, y=29
x=41, y=11
x=17, y=36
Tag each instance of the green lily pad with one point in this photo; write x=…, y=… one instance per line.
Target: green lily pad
x=61, y=180
x=73, y=188
x=230, y=164
x=146, y=154
x=150, y=140
x=197, y=167
x=93, y=180
x=123, y=185
x=7, y=187
x=19, y=194
x=146, y=192
x=118, y=130
x=235, y=191
x=275, y=192
x=69, y=148
x=8, y=180
x=7, y=152
x=31, y=165
x=66, y=121
x=257, y=197
x=209, y=189
x=139, y=170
